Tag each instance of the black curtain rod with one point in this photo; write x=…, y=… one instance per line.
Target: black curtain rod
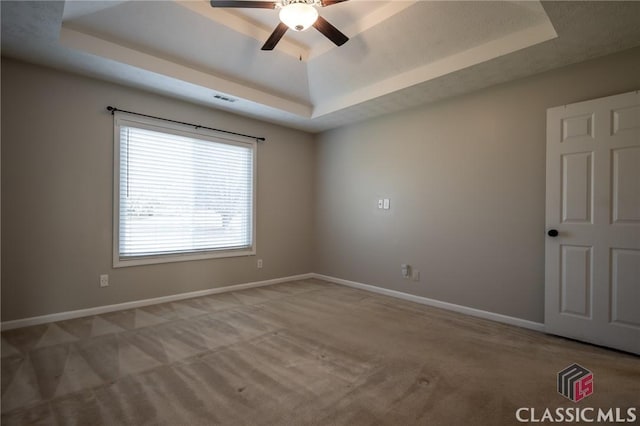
x=113, y=110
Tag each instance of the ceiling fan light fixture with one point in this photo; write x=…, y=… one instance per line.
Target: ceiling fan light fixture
x=298, y=16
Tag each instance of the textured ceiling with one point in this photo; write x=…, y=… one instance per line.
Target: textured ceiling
x=401, y=53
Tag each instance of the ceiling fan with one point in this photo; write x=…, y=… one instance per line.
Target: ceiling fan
x=297, y=15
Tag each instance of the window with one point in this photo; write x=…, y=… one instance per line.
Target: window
x=180, y=194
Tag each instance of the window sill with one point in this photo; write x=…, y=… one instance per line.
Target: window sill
x=186, y=257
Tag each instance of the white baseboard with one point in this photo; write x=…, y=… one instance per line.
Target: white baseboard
x=531, y=325
x=61, y=316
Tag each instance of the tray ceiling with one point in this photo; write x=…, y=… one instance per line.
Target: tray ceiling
x=400, y=53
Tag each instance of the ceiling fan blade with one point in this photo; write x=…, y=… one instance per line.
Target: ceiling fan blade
x=243, y=3
x=275, y=37
x=330, y=32
x=326, y=3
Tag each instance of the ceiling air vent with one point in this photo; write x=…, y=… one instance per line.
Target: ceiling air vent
x=224, y=98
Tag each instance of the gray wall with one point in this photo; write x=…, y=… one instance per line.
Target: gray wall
x=466, y=179
x=57, y=140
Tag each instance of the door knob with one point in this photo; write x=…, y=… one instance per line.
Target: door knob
x=552, y=232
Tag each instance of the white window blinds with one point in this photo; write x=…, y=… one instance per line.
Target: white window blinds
x=180, y=194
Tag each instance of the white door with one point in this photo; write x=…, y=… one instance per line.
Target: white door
x=592, y=289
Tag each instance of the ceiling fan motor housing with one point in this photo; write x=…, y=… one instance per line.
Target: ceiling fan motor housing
x=283, y=3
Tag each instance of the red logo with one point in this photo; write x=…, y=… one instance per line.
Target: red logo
x=575, y=382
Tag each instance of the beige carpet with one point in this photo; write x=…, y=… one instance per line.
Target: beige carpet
x=305, y=352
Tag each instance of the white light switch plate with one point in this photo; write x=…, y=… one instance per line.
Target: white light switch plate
x=386, y=204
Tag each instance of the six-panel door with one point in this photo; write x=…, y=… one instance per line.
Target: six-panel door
x=592, y=288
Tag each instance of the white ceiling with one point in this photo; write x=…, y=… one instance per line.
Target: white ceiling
x=400, y=53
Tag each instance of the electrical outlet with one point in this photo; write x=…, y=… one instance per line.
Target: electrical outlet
x=406, y=270
x=259, y=263
x=104, y=280
x=415, y=275
x=380, y=203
